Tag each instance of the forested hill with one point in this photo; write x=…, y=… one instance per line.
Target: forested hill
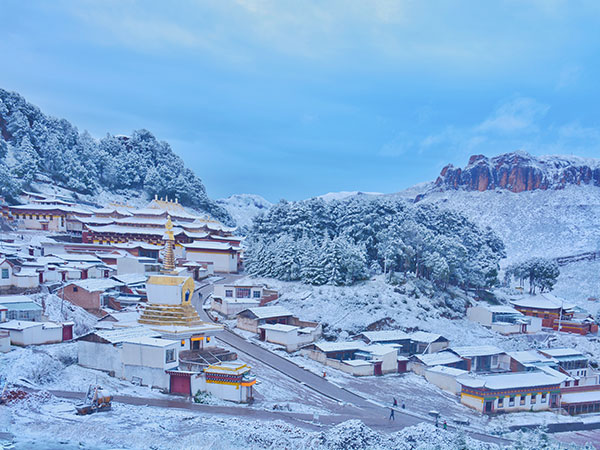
x=32, y=143
x=340, y=242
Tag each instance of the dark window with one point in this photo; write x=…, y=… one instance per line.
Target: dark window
x=75, y=289
x=5, y=274
x=243, y=292
x=229, y=293
x=256, y=294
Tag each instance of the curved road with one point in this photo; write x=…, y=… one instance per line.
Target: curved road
x=366, y=410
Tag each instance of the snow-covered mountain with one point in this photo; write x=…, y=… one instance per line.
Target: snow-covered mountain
x=540, y=206
x=243, y=208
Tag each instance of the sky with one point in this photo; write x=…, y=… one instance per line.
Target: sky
x=292, y=99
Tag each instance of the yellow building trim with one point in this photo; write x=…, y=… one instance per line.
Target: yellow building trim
x=166, y=280
x=231, y=369
x=223, y=382
x=249, y=383
x=472, y=396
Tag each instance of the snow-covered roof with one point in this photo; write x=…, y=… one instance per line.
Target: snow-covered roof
x=341, y=346
x=118, y=335
x=381, y=349
x=279, y=327
x=453, y=371
x=131, y=278
x=122, y=229
x=18, y=325
x=385, y=335
x=502, y=309
x=266, y=312
x=208, y=245
x=423, y=336
x=471, y=351
x=46, y=208
x=77, y=257
x=150, y=341
x=95, y=220
x=96, y=284
x=136, y=244
x=357, y=362
x=513, y=380
x=580, y=397
x=441, y=358
x=7, y=299
x=555, y=352
x=529, y=357
x=542, y=301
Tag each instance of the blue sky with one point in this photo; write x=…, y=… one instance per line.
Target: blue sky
x=291, y=99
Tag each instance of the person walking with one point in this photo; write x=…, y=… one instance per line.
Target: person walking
x=395, y=402
x=445, y=425
x=403, y=405
x=392, y=415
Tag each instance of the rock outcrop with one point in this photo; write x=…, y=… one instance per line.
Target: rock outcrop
x=518, y=172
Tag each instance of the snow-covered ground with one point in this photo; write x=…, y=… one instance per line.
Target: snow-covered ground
x=43, y=421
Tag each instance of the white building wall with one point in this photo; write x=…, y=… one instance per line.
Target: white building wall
x=105, y=357
x=150, y=376
x=444, y=381
x=4, y=343
x=135, y=354
x=6, y=281
x=480, y=314
x=26, y=282
x=222, y=262
x=163, y=294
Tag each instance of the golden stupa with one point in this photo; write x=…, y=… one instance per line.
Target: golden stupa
x=170, y=295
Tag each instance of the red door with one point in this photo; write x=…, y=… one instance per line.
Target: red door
x=67, y=332
x=262, y=334
x=401, y=366
x=377, y=369
x=180, y=384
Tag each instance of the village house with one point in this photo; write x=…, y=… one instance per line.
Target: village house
x=21, y=307
x=25, y=333
x=250, y=319
x=510, y=392
x=230, y=299
x=224, y=256
x=423, y=342
x=504, y=319
x=420, y=363
x=574, y=363
x=483, y=358
x=355, y=357
x=137, y=264
x=545, y=306
x=16, y=278
x=91, y=294
x=581, y=399
x=445, y=378
x=530, y=360
x=386, y=337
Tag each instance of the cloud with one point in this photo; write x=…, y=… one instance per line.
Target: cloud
x=568, y=77
x=517, y=115
x=519, y=123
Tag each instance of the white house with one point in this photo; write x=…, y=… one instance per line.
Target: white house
x=445, y=378
x=6, y=273
x=421, y=362
x=224, y=256
x=292, y=337
x=483, y=358
x=32, y=333
x=504, y=319
x=146, y=360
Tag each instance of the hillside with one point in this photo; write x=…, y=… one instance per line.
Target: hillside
x=243, y=208
x=539, y=206
x=34, y=146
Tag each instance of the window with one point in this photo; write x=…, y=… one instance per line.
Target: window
x=229, y=293
x=543, y=398
x=5, y=274
x=75, y=289
x=511, y=401
x=170, y=355
x=522, y=400
x=533, y=399
x=256, y=294
x=501, y=402
x=242, y=293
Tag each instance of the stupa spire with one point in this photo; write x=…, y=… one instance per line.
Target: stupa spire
x=169, y=259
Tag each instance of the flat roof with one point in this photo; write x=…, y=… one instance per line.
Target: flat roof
x=423, y=336
x=581, y=397
x=341, y=346
x=96, y=284
x=385, y=335
x=513, y=380
x=20, y=325
x=150, y=341
x=471, y=351
x=559, y=352
x=453, y=371
x=441, y=358
x=6, y=299
x=266, y=312
x=279, y=327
